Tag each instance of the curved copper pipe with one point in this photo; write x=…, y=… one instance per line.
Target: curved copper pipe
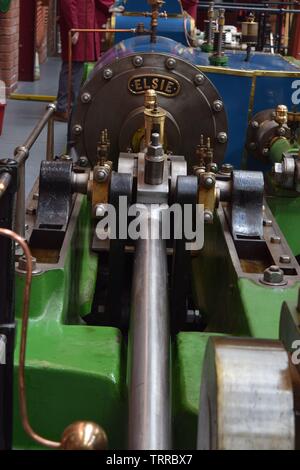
x=25, y=314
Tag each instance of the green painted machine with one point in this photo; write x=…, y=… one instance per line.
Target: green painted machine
x=162, y=285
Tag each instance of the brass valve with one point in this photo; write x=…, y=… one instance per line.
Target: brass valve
x=210, y=12
x=154, y=118
x=251, y=18
x=150, y=99
x=155, y=5
x=103, y=147
x=221, y=19
x=205, y=156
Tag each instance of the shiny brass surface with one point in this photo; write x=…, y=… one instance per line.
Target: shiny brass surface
x=281, y=114
x=208, y=195
x=162, y=84
x=150, y=99
x=154, y=122
x=84, y=435
x=99, y=185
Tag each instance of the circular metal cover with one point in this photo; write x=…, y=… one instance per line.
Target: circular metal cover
x=116, y=104
x=246, y=397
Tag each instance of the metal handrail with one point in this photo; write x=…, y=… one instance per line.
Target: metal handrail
x=21, y=155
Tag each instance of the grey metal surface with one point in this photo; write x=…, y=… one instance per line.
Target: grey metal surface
x=247, y=203
x=247, y=400
x=285, y=171
x=149, y=363
x=155, y=161
x=154, y=193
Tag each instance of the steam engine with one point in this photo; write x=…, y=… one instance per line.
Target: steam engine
x=157, y=318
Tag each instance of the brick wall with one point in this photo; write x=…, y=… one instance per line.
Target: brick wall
x=52, y=28
x=9, y=46
x=41, y=30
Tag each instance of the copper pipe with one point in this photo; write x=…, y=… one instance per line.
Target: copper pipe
x=70, y=52
x=25, y=314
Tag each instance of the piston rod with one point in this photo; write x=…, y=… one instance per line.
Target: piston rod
x=149, y=400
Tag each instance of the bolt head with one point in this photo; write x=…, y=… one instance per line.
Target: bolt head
x=273, y=275
x=254, y=125
x=100, y=210
x=227, y=168
x=285, y=259
x=213, y=167
x=107, y=74
x=86, y=98
x=22, y=264
x=267, y=222
x=170, y=63
x=100, y=176
x=138, y=61
x=77, y=129
x=222, y=137
x=252, y=146
x=209, y=182
x=265, y=151
x=83, y=161
x=218, y=105
x=275, y=239
x=208, y=217
x=199, y=79
x=281, y=131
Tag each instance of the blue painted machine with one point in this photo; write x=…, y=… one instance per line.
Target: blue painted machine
x=176, y=25
x=247, y=88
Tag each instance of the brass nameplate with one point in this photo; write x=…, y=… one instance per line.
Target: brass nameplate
x=162, y=84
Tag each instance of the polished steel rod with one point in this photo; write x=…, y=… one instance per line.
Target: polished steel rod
x=149, y=359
